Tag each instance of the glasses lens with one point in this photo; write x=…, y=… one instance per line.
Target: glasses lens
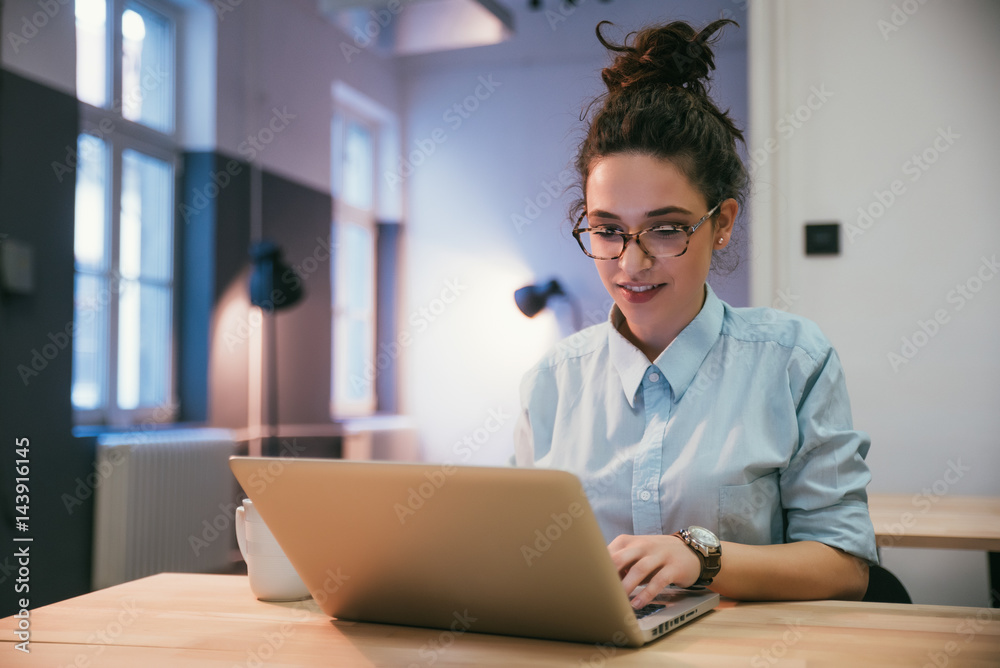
x=606, y=245
x=664, y=242
x=657, y=242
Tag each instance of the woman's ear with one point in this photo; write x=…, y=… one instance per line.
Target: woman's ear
x=724, y=222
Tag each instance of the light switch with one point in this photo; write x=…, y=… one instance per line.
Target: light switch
x=17, y=267
x=822, y=238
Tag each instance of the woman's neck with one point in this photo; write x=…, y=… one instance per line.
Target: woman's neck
x=650, y=344
x=654, y=338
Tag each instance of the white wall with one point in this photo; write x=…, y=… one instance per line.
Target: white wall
x=281, y=54
x=893, y=93
x=475, y=174
x=39, y=44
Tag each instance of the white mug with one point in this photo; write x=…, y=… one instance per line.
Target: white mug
x=272, y=576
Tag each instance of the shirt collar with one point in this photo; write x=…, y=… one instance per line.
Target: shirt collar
x=626, y=358
x=681, y=359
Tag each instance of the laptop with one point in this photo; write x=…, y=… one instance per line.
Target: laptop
x=511, y=551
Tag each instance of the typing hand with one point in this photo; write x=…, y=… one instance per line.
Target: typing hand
x=655, y=561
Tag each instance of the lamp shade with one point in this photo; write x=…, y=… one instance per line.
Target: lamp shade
x=532, y=298
x=273, y=284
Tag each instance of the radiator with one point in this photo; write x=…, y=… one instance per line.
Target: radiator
x=164, y=501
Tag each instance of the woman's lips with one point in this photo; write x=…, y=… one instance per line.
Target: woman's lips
x=639, y=293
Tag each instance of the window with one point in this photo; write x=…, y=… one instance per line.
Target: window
x=353, y=384
x=367, y=219
x=124, y=228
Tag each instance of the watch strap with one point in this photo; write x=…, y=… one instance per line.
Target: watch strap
x=711, y=560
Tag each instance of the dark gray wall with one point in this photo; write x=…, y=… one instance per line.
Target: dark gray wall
x=38, y=127
x=213, y=233
x=298, y=218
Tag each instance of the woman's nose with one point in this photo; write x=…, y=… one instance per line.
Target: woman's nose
x=634, y=259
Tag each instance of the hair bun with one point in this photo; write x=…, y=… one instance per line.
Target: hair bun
x=673, y=55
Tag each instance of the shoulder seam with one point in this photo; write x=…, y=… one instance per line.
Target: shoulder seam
x=818, y=356
x=563, y=352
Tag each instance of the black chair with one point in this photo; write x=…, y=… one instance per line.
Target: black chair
x=884, y=587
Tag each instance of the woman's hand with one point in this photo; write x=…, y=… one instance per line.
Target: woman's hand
x=656, y=561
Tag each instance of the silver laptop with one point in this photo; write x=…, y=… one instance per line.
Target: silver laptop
x=483, y=549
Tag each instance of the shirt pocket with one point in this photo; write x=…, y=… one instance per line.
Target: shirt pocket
x=751, y=514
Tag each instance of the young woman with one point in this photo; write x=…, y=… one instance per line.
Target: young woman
x=715, y=444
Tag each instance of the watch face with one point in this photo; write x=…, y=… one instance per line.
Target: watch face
x=704, y=536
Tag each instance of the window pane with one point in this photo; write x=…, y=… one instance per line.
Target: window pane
x=90, y=341
x=147, y=67
x=358, y=170
x=90, y=234
x=144, y=324
x=146, y=218
x=91, y=52
x=354, y=337
x=354, y=373
x=359, y=256
x=359, y=354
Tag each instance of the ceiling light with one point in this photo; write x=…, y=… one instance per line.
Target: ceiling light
x=407, y=27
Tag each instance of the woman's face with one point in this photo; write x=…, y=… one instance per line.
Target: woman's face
x=658, y=296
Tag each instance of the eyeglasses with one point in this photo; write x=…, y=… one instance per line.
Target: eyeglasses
x=608, y=243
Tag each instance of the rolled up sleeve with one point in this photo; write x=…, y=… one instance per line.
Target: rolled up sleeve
x=823, y=488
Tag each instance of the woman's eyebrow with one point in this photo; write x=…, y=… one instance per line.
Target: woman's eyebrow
x=650, y=214
x=665, y=210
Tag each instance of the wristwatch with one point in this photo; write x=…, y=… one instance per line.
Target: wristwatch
x=709, y=550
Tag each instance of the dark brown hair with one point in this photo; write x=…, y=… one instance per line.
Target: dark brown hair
x=657, y=104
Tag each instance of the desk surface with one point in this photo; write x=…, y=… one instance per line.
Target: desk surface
x=214, y=620
x=943, y=521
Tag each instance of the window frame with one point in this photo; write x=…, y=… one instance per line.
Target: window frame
x=120, y=134
x=348, y=214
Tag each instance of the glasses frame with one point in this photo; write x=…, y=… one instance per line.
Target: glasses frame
x=629, y=236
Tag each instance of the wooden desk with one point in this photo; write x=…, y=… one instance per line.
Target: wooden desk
x=953, y=522
x=214, y=621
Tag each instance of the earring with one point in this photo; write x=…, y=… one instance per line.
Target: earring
x=721, y=239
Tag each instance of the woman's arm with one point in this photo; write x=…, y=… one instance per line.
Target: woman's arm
x=790, y=571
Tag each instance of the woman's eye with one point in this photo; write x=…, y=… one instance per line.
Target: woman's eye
x=605, y=232
x=666, y=233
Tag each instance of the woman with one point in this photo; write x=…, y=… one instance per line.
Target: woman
x=715, y=444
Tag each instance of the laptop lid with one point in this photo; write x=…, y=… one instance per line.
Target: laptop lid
x=487, y=549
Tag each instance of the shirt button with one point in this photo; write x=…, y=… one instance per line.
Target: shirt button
x=644, y=495
x=653, y=377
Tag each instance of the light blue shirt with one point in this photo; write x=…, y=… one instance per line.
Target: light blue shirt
x=742, y=425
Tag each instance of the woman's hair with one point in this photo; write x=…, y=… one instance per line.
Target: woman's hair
x=657, y=104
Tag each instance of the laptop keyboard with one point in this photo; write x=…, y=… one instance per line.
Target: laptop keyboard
x=648, y=610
